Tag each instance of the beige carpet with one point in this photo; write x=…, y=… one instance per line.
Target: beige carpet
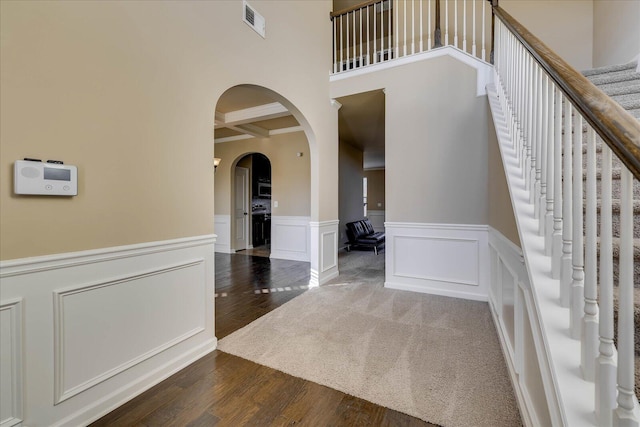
x=432, y=357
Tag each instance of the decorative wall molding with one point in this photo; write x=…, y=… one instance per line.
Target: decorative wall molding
x=484, y=70
x=510, y=276
x=324, y=251
x=124, y=318
x=290, y=238
x=11, y=370
x=62, y=319
x=442, y=259
x=222, y=227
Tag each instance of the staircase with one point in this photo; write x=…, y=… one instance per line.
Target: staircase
x=622, y=84
x=561, y=135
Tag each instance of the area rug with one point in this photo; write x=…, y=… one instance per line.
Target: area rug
x=432, y=357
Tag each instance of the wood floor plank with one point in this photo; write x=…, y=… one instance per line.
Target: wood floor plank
x=224, y=390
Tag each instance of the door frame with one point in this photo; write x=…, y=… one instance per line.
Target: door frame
x=246, y=213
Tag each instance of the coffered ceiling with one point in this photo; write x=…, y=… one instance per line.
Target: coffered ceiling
x=245, y=112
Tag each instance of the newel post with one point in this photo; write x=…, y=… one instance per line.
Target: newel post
x=436, y=34
x=494, y=4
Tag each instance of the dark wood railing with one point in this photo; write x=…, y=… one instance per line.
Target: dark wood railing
x=617, y=128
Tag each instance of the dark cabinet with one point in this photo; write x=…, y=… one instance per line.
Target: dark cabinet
x=261, y=229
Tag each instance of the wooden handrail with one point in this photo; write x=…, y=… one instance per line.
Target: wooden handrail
x=617, y=128
x=355, y=7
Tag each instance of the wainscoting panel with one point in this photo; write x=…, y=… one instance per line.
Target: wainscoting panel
x=516, y=318
x=222, y=228
x=11, y=365
x=443, y=259
x=290, y=238
x=170, y=301
x=102, y=326
x=377, y=219
x=324, y=252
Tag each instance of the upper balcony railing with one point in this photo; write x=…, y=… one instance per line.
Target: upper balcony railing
x=380, y=30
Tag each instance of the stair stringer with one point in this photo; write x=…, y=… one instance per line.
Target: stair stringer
x=570, y=399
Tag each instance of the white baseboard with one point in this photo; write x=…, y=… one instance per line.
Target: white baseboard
x=442, y=259
x=290, y=238
x=222, y=228
x=123, y=319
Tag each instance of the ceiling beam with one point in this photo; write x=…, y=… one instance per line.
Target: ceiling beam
x=270, y=133
x=273, y=110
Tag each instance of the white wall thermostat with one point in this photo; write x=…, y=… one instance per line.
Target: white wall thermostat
x=49, y=179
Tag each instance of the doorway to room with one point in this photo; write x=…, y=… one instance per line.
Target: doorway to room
x=253, y=205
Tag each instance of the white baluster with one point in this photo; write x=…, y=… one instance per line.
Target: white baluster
x=529, y=159
x=382, y=31
x=361, y=38
x=347, y=31
x=549, y=167
x=335, y=49
x=341, y=48
x=375, y=35
x=413, y=31
x=429, y=25
x=368, y=31
x=473, y=26
x=455, y=23
x=394, y=32
x=589, y=345
x=446, y=22
x=539, y=144
x=355, y=42
x=534, y=144
x=484, y=19
x=606, y=366
x=567, y=209
x=544, y=124
x=397, y=27
x=405, y=28
x=421, y=32
x=624, y=414
x=577, y=259
x=464, y=25
x=557, y=190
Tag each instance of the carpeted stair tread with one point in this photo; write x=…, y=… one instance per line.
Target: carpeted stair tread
x=611, y=68
x=621, y=89
x=628, y=101
x=616, y=77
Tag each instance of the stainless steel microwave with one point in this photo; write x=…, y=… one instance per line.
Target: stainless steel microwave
x=264, y=189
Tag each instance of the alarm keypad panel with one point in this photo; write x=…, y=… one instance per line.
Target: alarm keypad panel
x=48, y=179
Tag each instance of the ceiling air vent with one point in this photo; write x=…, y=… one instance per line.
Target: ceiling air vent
x=253, y=19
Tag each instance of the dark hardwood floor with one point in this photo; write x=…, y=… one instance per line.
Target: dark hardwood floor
x=225, y=390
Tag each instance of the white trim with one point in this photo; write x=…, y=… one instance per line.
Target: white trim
x=484, y=69
x=570, y=398
x=323, y=269
x=14, y=308
x=269, y=133
x=73, y=259
x=222, y=227
x=269, y=111
x=417, y=259
x=290, y=238
x=84, y=290
x=62, y=393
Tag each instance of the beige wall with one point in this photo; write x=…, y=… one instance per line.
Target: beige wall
x=127, y=91
x=501, y=215
x=290, y=174
x=350, y=171
x=436, y=141
x=375, y=189
x=616, y=31
x=566, y=26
